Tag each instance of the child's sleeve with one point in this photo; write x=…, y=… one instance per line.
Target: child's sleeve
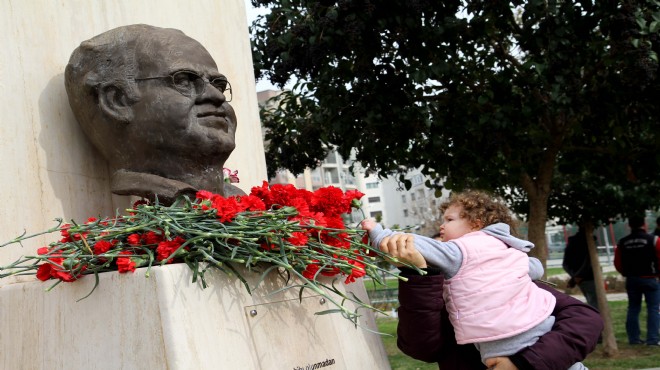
x=535, y=268
x=377, y=234
x=445, y=256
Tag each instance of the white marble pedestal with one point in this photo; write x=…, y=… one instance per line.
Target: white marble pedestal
x=166, y=322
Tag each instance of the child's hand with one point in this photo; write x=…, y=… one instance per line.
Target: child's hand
x=368, y=224
x=500, y=363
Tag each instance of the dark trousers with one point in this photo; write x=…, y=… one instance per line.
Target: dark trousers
x=649, y=288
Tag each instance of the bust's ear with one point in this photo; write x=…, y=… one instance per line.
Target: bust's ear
x=115, y=104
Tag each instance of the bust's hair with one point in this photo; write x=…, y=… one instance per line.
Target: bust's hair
x=482, y=207
x=106, y=59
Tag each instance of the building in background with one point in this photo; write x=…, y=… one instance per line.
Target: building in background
x=416, y=209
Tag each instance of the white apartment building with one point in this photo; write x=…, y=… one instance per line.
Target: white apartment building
x=415, y=209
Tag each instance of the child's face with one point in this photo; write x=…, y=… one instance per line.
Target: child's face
x=453, y=225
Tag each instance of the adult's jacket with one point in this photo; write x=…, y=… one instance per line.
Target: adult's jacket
x=425, y=333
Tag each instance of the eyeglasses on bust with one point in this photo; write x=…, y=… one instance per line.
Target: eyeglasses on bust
x=192, y=85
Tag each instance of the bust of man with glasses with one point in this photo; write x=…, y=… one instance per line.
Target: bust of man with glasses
x=152, y=101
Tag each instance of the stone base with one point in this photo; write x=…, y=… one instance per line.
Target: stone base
x=166, y=322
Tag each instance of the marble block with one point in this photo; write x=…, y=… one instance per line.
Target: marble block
x=165, y=321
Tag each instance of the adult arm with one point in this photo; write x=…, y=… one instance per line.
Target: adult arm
x=424, y=331
x=574, y=335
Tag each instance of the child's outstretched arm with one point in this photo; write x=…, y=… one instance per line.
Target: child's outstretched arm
x=418, y=250
x=395, y=244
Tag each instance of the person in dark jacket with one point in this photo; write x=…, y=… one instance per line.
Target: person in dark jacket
x=636, y=257
x=657, y=227
x=425, y=332
x=577, y=264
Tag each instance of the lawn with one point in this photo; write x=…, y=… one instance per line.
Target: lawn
x=630, y=357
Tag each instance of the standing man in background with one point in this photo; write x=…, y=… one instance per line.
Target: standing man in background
x=577, y=264
x=636, y=257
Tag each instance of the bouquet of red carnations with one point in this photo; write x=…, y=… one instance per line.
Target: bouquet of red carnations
x=274, y=227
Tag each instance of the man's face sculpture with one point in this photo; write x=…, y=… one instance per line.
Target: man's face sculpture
x=182, y=109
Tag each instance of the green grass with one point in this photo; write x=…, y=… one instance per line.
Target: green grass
x=551, y=271
x=630, y=357
x=390, y=283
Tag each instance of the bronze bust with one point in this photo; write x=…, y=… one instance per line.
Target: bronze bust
x=153, y=102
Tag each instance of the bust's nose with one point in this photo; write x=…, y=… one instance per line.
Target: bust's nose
x=211, y=94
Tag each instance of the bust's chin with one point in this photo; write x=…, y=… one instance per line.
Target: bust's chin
x=211, y=152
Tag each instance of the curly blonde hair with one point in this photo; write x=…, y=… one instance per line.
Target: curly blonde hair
x=481, y=209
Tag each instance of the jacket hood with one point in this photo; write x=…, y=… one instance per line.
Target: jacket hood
x=502, y=232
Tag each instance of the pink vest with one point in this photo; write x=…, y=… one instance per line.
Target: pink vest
x=492, y=297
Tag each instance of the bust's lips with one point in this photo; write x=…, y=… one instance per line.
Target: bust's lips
x=214, y=119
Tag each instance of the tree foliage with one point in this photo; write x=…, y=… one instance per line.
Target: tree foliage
x=526, y=98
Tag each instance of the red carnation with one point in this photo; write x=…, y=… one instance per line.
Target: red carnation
x=301, y=205
x=251, y=203
x=262, y=192
x=151, y=238
x=298, y=238
x=352, y=198
x=356, y=272
x=102, y=246
x=282, y=194
x=167, y=247
x=330, y=201
x=134, y=240
x=64, y=231
x=205, y=195
x=227, y=208
x=44, y=272
x=311, y=270
x=125, y=264
x=140, y=202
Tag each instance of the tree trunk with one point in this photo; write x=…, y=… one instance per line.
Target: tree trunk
x=538, y=191
x=610, y=347
x=538, y=214
x=537, y=218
